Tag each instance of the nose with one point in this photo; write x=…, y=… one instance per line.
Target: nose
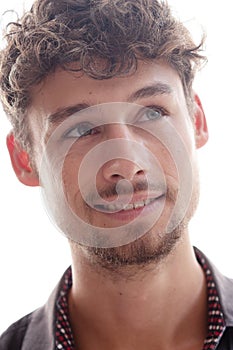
x=128, y=165
x=118, y=169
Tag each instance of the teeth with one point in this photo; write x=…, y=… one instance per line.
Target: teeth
x=148, y=201
x=129, y=207
x=111, y=207
x=139, y=205
x=118, y=207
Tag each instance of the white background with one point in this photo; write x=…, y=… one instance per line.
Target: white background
x=33, y=255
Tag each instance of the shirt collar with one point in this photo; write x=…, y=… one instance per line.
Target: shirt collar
x=224, y=286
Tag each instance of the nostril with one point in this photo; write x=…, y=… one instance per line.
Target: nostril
x=116, y=176
x=140, y=172
x=118, y=169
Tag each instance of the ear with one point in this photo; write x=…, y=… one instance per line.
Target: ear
x=21, y=163
x=201, y=130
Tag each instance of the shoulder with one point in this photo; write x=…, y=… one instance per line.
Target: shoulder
x=12, y=338
x=226, y=341
x=36, y=330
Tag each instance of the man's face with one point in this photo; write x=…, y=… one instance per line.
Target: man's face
x=117, y=160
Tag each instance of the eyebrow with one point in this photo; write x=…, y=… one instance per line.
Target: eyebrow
x=62, y=113
x=152, y=90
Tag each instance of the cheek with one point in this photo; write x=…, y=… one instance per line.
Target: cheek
x=174, y=150
x=163, y=156
x=70, y=172
x=168, y=163
x=186, y=130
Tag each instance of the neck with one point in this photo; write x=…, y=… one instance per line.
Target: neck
x=161, y=307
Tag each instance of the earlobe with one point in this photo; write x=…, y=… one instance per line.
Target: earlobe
x=21, y=163
x=201, y=129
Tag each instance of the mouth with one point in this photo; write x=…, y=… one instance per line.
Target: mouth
x=118, y=207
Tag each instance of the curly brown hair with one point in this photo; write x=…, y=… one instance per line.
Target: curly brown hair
x=56, y=33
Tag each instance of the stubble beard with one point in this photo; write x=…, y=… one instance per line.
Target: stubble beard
x=147, y=252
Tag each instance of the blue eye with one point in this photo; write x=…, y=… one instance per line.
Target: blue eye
x=153, y=114
x=81, y=130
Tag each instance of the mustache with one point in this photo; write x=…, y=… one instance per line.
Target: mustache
x=114, y=190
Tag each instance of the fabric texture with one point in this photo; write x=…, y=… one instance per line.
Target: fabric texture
x=48, y=328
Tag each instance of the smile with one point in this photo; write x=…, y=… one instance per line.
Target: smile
x=121, y=207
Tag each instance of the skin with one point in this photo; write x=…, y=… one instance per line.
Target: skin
x=133, y=296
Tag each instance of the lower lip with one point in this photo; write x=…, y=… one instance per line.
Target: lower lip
x=127, y=215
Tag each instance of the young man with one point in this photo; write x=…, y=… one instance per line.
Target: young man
x=105, y=119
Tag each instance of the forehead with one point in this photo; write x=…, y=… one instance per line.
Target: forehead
x=66, y=88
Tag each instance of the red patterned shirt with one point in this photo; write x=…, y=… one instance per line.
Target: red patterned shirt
x=216, y=324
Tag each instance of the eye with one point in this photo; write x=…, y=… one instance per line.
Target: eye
x=152, y=113
x=81, y=130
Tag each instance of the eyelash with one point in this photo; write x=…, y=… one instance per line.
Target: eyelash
x=154, y=108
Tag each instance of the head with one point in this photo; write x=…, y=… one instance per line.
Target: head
x=99, y=49
x=118, y=33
